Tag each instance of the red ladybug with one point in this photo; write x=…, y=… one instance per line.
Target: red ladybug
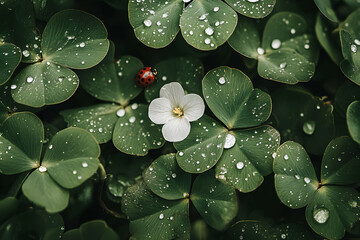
x=145, y=76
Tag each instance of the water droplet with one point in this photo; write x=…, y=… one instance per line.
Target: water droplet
x=161, y=216
x=274, y=155
x=132, y=119
x=209, y=31
x=120, y=112
x=186, y=1
x=74, y=172
x=286, y=157
x=82, y=44
x=30, y=79
x=283, y=65
x=134, y=106
x=147, y=22
x=283, y=236
x=13, y=86
x=26, y=53
x=216, y=9
x=181, y=154
x=353, y=204
x=85, y=164
x=79, y=177
x=42, y=169
x=353, y=48
x=240, y=165
x=306, y=180
x=173, y=175
x=297, y=176
x=260, y=51
x=306, y=46
x=222, y=80
x=51, y=146
x=321, y=215
x=276, y=43
x=357, y=42
x=207, y=41
x=229, y=141
x=292, y=31
x=309, y=127
x=252, y=1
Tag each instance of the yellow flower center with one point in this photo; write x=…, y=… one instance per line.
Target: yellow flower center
x=178, y=112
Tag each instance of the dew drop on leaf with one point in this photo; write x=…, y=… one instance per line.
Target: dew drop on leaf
x=283, y=65
x=84, y=164
x=229, y=141
x=357, y=42
x=30, y=79
x=42, y=169
x=209, y=31
x=260, y=51
x=353, y=48
x=276, y=43
x=147, y=22
x=309, y=127
x=240, y=165
x=321, y=215
x=286, y=157
x=306, y=180
x=13, y=86
x=252, y=1
x=161, y=216
x=353, y=204
x=222, y=80
x=120, y=112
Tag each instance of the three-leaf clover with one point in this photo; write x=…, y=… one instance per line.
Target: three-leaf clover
x=70, y=159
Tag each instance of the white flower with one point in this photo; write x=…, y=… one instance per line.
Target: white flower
x=175, y=110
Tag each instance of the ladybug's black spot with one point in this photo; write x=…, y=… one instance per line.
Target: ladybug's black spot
x=146, y=83
x=143, y=79
x=139, y=76
x=141, y=72
x=144, y=68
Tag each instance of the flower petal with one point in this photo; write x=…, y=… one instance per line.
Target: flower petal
x=176, y=129
x=193, y=106
x=174, y=92
x=160, y=110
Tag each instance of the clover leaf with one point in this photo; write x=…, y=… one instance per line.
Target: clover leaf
x=71, y=39
x=286, y=53
x=326, y=9
x=161, y=205
x=92, y=230
x=242, y=156
x=253, y=8
x=329, y=202
x=10, y=56
x=33, y=223
x=311, y=122
x=352, y=118
x=70, y=158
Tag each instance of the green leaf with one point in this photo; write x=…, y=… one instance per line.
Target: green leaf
x=341, y=162
x=215, y=201
x=134, y=133
x=153, y=217
x=10, y=56
x=201, y=150
x=326, y=38
x=31, y=224
x=244, y=165
x=166, y=179
x=92, y=230
x=350, y=48
x=206, y=25
x=286, y=66
x=350, y=71
x=112, y=81
x=8, y=207
x=98, y=119
x=230, y=95
x=250, y=230
x=74, y=39
x=353, y=120
x=282, y=27
x=41, y=189
x=187, y=71
x=72, y=157
x=44, y=83
x=123, y=171
x=45, y=9
x=333, y=210
x=295, y=177
x=326, y=9
x=17, y=26
x=253, y=9
x=246, y=38
x=155, y=23
x=20, y=143
x=310, y=123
